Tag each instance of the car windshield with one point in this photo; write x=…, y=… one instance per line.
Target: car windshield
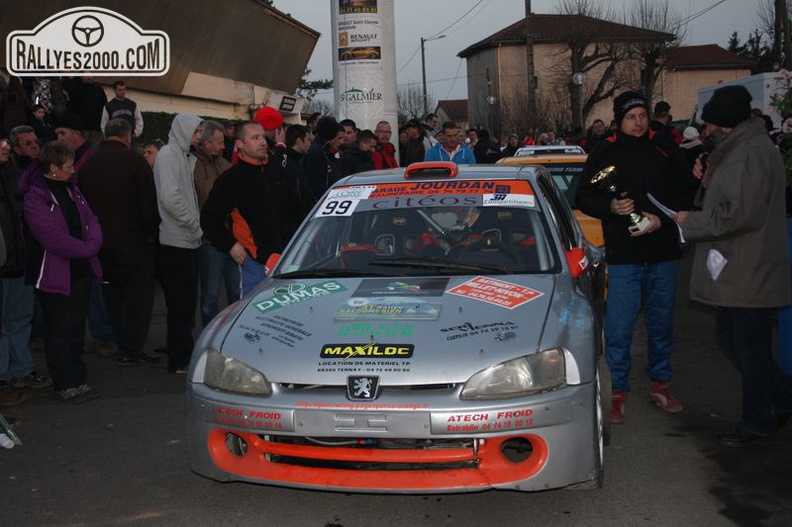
x=470, y=227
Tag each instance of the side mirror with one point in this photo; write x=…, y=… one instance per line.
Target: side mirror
x=272, y=261
x=577, y=261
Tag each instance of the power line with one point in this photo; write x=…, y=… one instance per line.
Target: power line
x=466, y=13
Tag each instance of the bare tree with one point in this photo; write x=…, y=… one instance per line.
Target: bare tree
x=654, y=15
x=321, y=105
x=774, y=24
x=596, y=60
x=411, y=102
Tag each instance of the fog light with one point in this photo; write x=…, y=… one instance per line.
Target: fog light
x=517, y=449
x=236, y=445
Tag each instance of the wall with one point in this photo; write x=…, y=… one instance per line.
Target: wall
x=680, y=88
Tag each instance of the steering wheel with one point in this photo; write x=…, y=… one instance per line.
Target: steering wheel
x=489, y=243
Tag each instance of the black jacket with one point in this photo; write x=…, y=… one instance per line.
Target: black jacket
x=413, y=152
x=119, y=186
x=11, y=199
x=322, y=167
x=354, y=160
x=262, y=204
x=642, y=166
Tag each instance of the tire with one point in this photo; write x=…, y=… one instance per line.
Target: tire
x=602, y=422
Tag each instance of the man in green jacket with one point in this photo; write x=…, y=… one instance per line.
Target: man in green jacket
x=740, y=263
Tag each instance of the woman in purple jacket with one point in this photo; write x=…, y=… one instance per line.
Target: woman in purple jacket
x=63, y=239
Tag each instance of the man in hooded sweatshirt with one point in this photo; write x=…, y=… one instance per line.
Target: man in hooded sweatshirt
x=179, y=236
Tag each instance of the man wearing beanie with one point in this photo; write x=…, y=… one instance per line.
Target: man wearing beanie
x=70, y=130
x=323, y=160
x=741, y=264
x=642, y=267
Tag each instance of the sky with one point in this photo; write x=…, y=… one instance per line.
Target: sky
x=445, y=72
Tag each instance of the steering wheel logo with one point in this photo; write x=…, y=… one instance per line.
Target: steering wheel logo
x=87, y=31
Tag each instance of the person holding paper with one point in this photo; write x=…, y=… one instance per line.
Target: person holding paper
x=740, y=263
x=643, y=255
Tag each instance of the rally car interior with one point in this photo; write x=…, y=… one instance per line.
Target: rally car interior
x=438, y=239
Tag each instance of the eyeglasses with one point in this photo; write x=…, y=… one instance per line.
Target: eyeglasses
x=31, y=142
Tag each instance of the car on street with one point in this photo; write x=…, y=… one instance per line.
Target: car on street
x=533, y=150
x=427, y=330
x=567, y=169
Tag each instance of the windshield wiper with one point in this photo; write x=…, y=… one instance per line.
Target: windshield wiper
x=438, y=263
x=321, y=273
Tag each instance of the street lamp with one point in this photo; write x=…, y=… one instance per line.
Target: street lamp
x=578, y=78
x=423, y=71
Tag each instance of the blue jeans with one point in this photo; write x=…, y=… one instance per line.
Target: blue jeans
x=745, y=336
x=214, y=266
x=99, y=325
x=252, y=273
x=631, y=287
x=17, y=316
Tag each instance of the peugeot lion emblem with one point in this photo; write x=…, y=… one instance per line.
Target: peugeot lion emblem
x=363, y=387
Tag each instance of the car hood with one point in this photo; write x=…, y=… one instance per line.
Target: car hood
x=406, y=330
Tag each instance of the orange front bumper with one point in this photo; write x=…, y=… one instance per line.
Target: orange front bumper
x=489, y=467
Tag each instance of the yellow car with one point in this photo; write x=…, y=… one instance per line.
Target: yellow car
x=566, y=169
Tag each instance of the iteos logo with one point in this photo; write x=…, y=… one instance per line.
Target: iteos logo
x=88, y=40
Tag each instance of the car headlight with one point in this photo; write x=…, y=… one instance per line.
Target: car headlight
x=540, y=372
x=231, y=375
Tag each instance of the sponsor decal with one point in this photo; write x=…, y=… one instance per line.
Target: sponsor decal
x=260, y=419
x=366, y=330
x=87, y=41
x=508, y=200
x=468, y=329
x=359, y=192
x=496, y=292
x=403, y=287
x=359, y=387
x=296, y=293
x=369, y=350
x=387, y=308
x=491, y=421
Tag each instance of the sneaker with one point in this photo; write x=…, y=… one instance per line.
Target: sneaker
x=739, y=437
x=88, y=392
x=134, y=360
x=70, y=396
x=658, y=392
x=103, y=349
x=9, y=397
x=618, y=404
x=32, y=380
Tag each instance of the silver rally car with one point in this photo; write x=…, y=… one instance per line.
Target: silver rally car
x=434, y=329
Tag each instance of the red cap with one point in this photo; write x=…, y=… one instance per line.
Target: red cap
x=269, y=118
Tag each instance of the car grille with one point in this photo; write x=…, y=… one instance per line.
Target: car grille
x=385, y=388
x=374, y=446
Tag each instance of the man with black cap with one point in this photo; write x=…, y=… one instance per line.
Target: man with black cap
x=323, y=161
x=414, y=150
x=741, y=264
x=642, y=265
x=70, y=130
x=661, y=123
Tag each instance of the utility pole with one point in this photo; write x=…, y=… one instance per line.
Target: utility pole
x=423, y=72
x=529, y=69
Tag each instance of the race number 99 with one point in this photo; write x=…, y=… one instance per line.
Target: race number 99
x=337, y=207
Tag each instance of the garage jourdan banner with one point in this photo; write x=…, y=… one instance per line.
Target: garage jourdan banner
x=364, y=62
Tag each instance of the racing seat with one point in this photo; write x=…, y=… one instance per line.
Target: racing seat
x=394, y=232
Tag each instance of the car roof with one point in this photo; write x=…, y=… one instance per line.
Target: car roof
x=465, y=172
x=548, y=149
x=544, y=159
